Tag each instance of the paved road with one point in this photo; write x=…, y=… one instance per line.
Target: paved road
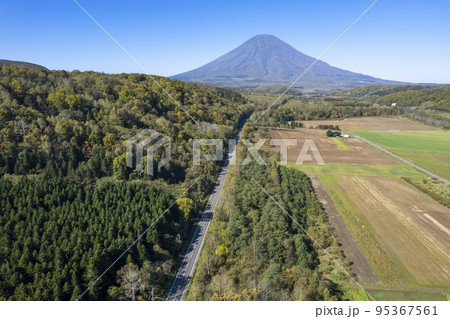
x=186, y=270
x=405, y=161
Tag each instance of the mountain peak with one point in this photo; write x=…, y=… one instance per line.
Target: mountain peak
x=264, y=37
x=265, y=60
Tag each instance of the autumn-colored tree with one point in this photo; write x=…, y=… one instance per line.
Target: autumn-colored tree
x=110, y=140
x=64, y=97
x=74, y=141
x=120, y=166
x=185, y=205
x=222, y=251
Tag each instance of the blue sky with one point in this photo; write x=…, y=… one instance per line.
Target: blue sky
x=397, y=39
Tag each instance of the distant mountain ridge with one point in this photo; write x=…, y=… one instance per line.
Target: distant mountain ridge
x=21, y=63
x=265, y=60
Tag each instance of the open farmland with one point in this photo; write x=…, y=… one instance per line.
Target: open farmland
x=373, y=124
x=359, y=264
x=350, y=150
x=412, y=228
x=428, y=149
x=403, y=230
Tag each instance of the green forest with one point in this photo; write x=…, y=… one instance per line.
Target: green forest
x=425, y=104
x=255, y=251
x=75, y=123
x=435, y=97
x=69, y=204
x=58, y=235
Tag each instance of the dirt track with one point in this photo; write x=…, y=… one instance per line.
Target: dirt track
x=359, y=264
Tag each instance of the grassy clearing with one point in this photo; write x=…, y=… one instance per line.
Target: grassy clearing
x=428, y=149
x=372, y=217
x=359, y=170
x=410, y=226
x=438, y=163
x=341, y=144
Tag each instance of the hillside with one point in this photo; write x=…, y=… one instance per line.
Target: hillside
x=424, y=96
x=20, y=63
x=69, y=203
x=265, y=60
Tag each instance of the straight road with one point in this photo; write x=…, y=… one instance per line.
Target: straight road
x=186, y=270
x=405, y=161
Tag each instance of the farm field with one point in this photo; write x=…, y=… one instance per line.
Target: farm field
x=403, y=232
x=332, y=169
x=428, y=149
x=412, y=228
x=396, y=213
x=406, y=294
x=350, y=150
x=373, y=124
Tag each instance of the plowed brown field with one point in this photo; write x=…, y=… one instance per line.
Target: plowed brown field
x=362, y=153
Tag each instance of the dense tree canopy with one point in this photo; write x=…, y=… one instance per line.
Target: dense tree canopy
x=69, y=205
x=255, y=251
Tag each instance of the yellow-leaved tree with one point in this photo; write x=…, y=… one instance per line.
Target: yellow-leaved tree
x=185, y=205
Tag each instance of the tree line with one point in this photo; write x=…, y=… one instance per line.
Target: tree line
x=255, y=251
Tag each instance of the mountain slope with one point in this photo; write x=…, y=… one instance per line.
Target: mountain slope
x=266, y=60
x=20, y=63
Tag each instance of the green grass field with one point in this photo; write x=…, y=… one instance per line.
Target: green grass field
x=428, y=149
x=382, y=264
x=359, y=169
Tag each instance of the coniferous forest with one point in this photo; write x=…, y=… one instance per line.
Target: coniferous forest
x=69, y=204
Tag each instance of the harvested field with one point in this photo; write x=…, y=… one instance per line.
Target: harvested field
x=351, y=150
x=334, y=169
x=359, y=264
x=372, y=124
x=412, y=228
